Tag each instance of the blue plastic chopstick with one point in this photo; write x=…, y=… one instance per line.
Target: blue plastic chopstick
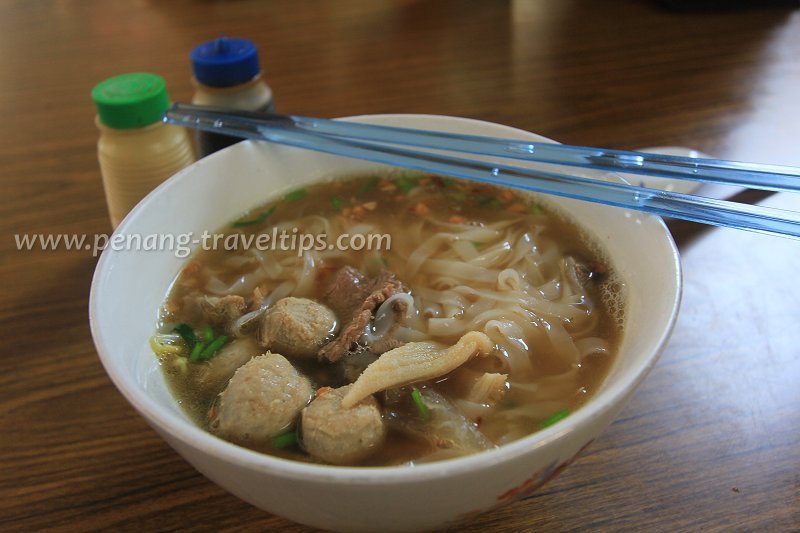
x=381, y=144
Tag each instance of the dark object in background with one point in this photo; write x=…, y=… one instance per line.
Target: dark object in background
x=724, y=5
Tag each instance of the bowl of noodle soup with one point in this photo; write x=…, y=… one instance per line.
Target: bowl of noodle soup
x=511, y=268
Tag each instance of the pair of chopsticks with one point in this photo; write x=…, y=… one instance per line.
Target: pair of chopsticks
x=384, y=144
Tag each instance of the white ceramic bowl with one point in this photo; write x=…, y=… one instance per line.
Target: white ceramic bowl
x=128, y=288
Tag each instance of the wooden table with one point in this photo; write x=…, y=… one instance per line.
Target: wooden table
x=711, y=441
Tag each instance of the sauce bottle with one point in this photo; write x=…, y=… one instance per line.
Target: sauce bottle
x=227, y=73
x=136, y=150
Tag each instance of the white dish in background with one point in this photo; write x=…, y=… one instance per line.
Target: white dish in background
x=667, y=184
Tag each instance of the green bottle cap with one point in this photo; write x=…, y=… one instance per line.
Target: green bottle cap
x=131, y=100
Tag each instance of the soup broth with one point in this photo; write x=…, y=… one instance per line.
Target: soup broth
x=462, y=257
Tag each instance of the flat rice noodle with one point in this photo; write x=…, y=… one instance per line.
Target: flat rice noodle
x=445, y=428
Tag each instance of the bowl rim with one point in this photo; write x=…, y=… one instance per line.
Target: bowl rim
x=193, y=436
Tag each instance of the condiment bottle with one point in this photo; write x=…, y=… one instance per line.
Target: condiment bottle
x=227, y=73
x=136, y=150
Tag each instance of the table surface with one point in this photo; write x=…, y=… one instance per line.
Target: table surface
x=710, y=441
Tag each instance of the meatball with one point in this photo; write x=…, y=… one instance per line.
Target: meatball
x=215, y=373
x=297, y=327
x=262, y=399
x=341, y=436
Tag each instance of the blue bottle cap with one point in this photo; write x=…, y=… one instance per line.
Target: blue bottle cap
x=225, y=62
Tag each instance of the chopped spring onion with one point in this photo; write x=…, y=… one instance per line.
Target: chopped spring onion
x=208, y=334
x=477, y=244
x=557, y=417
x=369, y=185
x=162, y=347
x=258, y=220
x=196, y=351
x=486, y=200
x=293, y=196
x=209, y=351
x=535, y=209
x=336, y=203
x=405, y=183
x=416, y=395
x=379, y=261
x=286, y=439
x=187, y=334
